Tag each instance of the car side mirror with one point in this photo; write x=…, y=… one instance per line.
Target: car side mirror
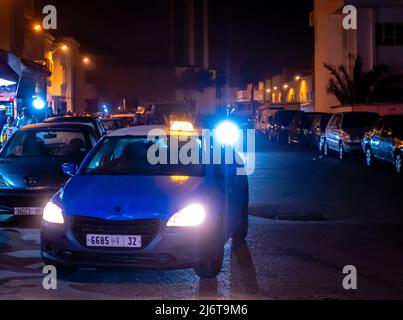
x=69, y=168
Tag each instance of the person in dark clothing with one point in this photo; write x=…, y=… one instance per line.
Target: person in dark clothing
x=3, y=119
x=155, y=117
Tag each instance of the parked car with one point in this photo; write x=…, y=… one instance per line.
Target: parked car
x=278, y=130
x=127, y=120
x=299, y=130
x=111, y=124
x=345, y=130
x=30, y=164
x=385, y=142
x=317, y=131
x=94, y=122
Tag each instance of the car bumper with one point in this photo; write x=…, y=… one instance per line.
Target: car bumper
x=354, y=147
x=10, y=199
x=168, y=249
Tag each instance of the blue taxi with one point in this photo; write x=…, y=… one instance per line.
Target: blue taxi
x=119, y=209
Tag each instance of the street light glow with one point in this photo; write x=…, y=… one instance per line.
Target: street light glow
x=86, y=60
x=37, y=27
x=38, y=103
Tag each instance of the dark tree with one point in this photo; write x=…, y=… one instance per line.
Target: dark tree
x=360, y=86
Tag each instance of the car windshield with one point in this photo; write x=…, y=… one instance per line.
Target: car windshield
x=285, y=117
x=359, y=120
x=47, y=143
x=133, y=156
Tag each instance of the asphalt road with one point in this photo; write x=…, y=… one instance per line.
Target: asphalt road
x=311, y=217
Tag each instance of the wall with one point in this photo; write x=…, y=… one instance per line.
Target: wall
x=381, y=108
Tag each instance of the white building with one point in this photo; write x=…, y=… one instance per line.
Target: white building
x=378, y=40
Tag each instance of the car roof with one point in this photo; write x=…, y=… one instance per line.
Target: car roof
x=393, y=116
x=136, y=131
x=357, y=112
x=71, y=118
x=122, y=115
x=58, y=125
x=142, y=131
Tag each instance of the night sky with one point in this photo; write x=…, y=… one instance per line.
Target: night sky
x=270, y=34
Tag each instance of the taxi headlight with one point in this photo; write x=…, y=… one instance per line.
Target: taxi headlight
x=192, y=216
x=53, y=214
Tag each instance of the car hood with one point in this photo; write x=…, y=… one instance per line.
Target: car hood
x=42, y=172
x=133, y=197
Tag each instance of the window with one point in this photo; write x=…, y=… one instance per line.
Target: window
x=378, y=126
x=389, y=34
x=336, y=123
x=47, y=144
x=129, y=156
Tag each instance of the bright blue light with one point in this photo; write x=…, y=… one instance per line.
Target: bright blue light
x=38, y=103
x=227, y=133
x=105, y=107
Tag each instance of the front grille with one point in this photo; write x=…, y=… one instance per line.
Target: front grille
x=135, y=260
x=146, y=228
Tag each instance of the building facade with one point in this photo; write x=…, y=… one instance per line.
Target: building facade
x=378, y=40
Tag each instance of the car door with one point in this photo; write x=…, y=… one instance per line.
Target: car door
x=333, y=130
x=230, y=184
x=375, y=139
x=386, y=142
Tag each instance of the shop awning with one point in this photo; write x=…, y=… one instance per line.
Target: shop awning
x=7, y=74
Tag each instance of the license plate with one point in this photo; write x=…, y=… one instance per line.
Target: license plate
x=113, y=241
x=28, y=211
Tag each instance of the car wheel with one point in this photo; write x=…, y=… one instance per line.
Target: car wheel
x=398, y=163
x=242, y=232
x=325, y=149
x=212, y=256
x=342, y=154
x=268, y=133
x=369, y=158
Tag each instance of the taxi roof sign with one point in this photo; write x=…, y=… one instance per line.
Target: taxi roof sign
x=182, y=126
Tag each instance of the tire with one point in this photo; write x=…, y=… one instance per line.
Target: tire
x=242, y=232
x=289, y=140
x=269, y=136
x=369, y=157
x=398, y=163
x=325, y=149
x=212, y=256
x=342, y=154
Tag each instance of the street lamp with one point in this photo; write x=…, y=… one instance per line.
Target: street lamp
x=62, y=47
x=297, y=78
x=37, y=27
x=285, y=86
x=86, y=60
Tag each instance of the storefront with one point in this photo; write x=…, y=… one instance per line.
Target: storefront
x=8, y=87
x=22, y=85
